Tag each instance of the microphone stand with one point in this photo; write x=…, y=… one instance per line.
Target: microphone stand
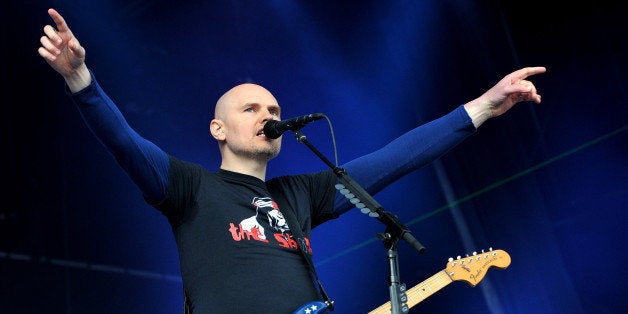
x=395, y=230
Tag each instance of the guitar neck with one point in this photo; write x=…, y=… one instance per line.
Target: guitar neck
x=419, y=292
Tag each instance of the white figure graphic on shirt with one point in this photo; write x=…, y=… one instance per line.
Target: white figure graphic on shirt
x=265, y=207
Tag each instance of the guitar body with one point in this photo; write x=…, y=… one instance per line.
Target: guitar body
x=314, y=307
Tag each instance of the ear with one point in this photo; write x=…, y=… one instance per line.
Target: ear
x=217, y=130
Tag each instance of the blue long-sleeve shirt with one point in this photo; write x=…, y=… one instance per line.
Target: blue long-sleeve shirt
x=147, y=164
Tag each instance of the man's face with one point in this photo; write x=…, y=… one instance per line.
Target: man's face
x=241, y=114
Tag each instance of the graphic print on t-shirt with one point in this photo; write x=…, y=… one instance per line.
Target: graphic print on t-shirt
x=265, y=210
x=252, y=228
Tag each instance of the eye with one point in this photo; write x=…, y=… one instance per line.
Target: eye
x=249, y=109
x=274, y=112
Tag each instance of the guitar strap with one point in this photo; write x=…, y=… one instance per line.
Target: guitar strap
x=297, y=233
x=186, y=303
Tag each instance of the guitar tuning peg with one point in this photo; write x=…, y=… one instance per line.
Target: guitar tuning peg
x=490, y=248
x=450, y=259
x=458, y=256
x=475, y=253
x=482, y=251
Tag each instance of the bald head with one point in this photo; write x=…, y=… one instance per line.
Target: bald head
x=240, y=115
x=240, y=95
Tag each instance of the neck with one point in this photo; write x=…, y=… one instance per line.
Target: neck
x=250, y=167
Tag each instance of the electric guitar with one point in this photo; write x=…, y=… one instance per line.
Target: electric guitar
x=471, y=269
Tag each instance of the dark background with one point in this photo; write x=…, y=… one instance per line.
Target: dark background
x=547, y=183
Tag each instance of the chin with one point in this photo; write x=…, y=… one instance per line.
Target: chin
x=273, y=154
x=268, y=153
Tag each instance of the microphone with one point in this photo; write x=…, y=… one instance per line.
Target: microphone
x=273, y=128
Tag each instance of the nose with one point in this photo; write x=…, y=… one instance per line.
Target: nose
x=268, y=116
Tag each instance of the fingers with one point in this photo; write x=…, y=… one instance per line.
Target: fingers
x=525, y=72
x=50, y=44
x=46, y=54
x=47, y=43
x=527, y=97
x=518, y=86
x=76, y=48
x=59, y=20
x=523, y=89
x=532, y=95
x=47, y=49
x=52, y=35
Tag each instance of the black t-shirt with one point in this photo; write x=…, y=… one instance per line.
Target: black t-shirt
x=235, y=249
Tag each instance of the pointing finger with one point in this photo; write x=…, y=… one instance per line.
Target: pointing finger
x=529, y=71
x=59, y=20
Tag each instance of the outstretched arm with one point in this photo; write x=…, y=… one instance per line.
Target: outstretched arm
x=144, y=162
x=428, y=142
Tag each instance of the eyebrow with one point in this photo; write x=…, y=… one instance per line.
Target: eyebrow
x=276, y=106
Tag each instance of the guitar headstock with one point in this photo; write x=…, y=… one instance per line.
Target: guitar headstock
x=472, y=269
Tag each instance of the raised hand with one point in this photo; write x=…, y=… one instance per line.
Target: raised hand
x=63, y=52
x=510, y=90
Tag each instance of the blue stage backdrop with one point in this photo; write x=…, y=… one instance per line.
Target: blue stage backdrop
x=546, y=183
